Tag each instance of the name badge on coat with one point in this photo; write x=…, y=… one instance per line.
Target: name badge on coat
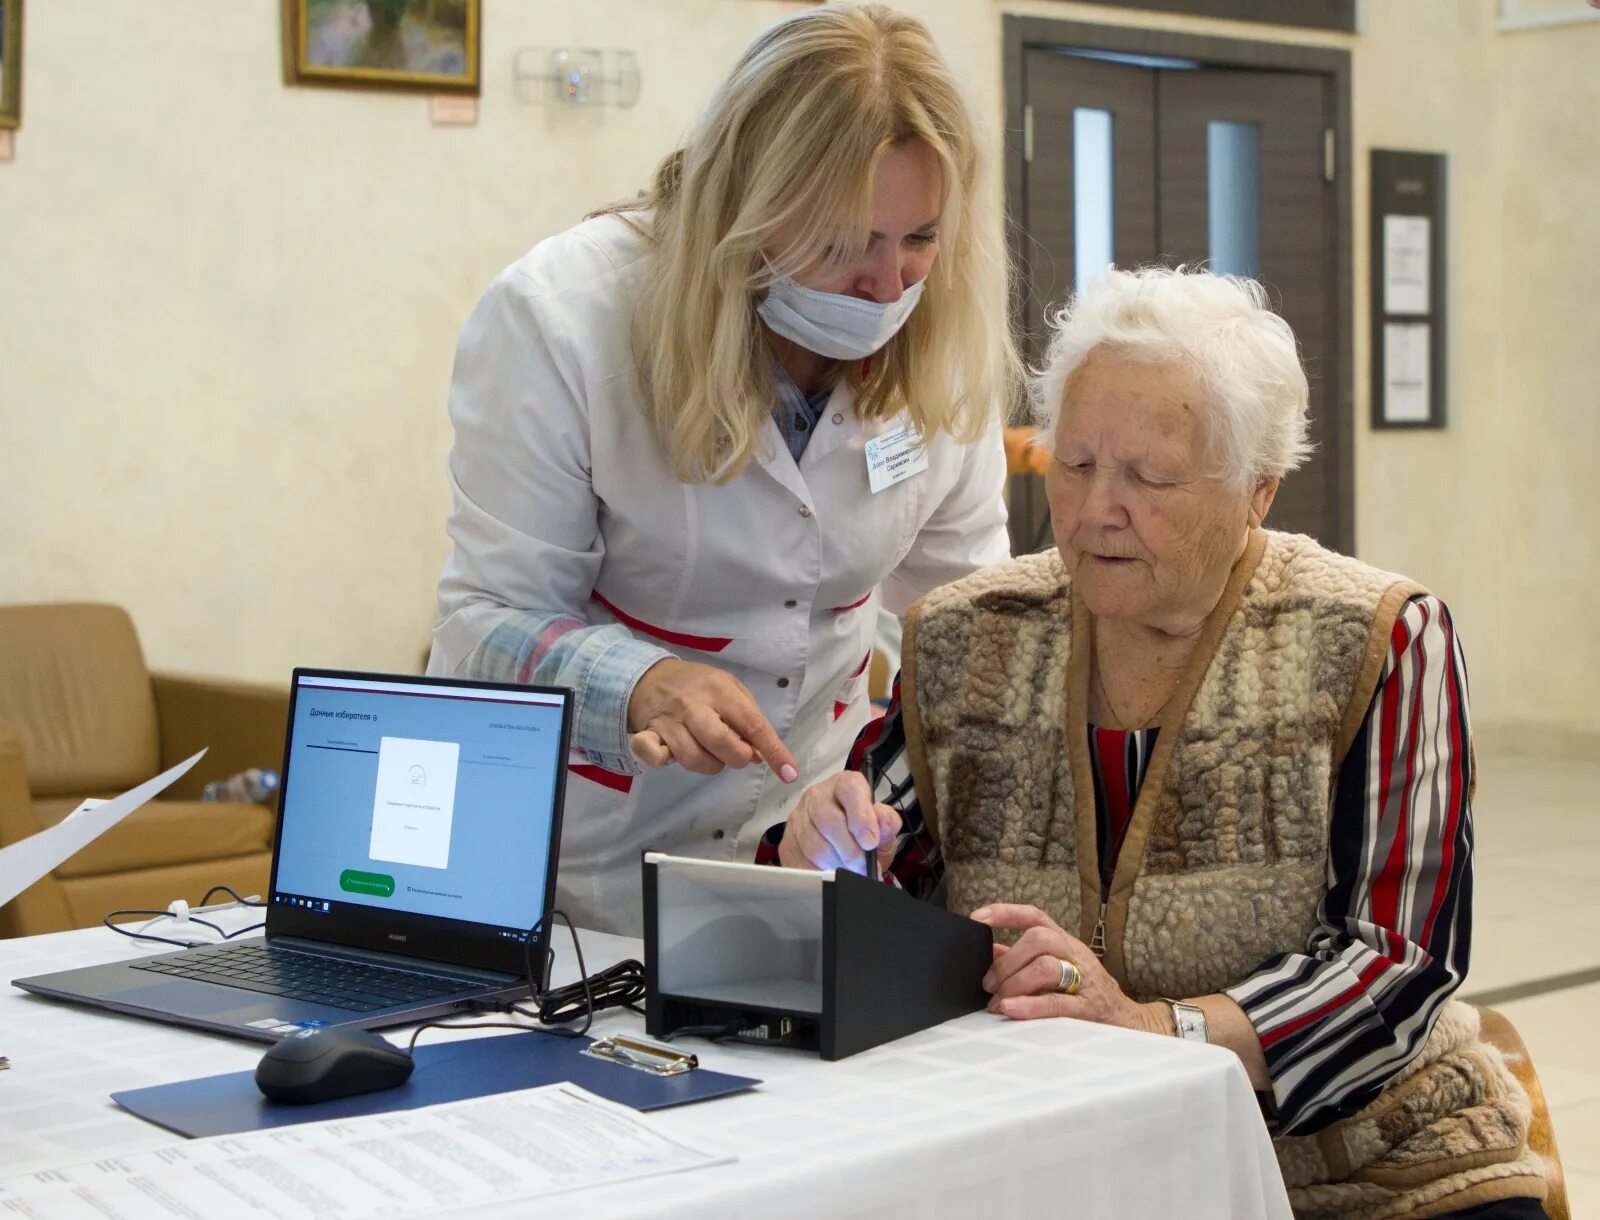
x=894, y=457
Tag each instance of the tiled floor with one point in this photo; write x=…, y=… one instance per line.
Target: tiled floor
x=1537, y=915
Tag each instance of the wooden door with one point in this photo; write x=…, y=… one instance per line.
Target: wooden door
x=1226, y=167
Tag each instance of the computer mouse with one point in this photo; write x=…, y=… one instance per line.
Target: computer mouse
x=325, y=1063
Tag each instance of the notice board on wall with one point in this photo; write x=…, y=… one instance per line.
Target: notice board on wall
x=1407, y=289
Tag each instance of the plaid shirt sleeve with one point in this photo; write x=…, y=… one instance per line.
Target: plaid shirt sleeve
x=917, y=866
x=601, y=664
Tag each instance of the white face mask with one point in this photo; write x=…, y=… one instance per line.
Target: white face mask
x=831, y=324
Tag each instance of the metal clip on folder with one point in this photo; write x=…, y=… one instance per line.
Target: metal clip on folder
x=644, y=1056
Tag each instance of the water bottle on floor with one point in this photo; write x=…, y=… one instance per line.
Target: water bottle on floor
x=253, y=786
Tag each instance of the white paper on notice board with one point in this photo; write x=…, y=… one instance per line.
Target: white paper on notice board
x=1405, y=264
x=1406, y=372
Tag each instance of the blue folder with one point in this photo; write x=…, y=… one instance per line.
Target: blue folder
x=446, y=1071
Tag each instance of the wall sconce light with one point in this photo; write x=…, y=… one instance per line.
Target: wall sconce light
x=576, y=76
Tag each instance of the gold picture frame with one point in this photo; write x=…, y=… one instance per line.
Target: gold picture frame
x=427, y=45
x=10, y=63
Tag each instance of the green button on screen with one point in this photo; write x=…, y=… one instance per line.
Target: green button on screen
x=379, y=884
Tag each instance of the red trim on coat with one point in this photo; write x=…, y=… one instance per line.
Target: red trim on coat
x=703, y=643
x=839, y=709
x=615, y=780
x=862, y=668
x=860, y=601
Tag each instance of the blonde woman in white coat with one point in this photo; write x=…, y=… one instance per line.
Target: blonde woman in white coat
x=696, y=434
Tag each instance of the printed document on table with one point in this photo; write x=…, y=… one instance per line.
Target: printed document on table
x=400, y=1164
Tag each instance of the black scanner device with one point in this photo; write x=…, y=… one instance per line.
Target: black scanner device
x=322, y=1064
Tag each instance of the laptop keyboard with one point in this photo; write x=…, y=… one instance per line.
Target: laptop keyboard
x=334, y=981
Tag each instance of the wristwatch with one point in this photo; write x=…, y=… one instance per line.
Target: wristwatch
x=1190, y=1020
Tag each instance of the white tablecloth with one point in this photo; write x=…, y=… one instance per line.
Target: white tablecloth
x=978, y=1117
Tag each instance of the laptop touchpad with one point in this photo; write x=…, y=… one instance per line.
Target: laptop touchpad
x=183, y=998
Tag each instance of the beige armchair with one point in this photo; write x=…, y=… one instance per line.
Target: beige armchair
x=81, y=716
x=1499, y=1032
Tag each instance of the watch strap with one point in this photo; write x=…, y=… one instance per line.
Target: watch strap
x=1190, y=1020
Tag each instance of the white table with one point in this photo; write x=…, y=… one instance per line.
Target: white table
x=978, y=1117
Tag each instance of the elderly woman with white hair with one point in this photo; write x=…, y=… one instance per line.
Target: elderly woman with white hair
x=1208, y=780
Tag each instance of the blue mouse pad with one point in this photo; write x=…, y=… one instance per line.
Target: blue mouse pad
x=446, y=1071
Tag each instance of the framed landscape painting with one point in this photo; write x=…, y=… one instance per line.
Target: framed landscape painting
x=430, y=45
x=10, y=63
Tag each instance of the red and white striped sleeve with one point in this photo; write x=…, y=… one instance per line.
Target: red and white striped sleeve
x=1341, y=1019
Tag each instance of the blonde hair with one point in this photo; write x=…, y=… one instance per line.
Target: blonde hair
x=1222, y=327
x=791, y=142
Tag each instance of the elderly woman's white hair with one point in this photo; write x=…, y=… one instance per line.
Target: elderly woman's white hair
x=1220, y=326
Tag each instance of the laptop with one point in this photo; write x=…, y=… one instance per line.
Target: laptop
x=415, y=853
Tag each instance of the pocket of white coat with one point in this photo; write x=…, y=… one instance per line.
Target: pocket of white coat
x=850, y=688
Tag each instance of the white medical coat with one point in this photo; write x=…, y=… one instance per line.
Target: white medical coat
x=563, y=497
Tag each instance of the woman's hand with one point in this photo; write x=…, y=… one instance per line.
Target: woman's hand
x=1024, y=978
x=836, y=824
x=703, y=719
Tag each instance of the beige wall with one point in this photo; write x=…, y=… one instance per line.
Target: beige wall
x=229, y=311
x=1549, y=398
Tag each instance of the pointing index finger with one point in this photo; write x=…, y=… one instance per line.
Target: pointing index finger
x=755, y=729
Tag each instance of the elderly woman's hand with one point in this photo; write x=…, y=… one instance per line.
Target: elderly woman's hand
x=836, y=824
x=1025, y=978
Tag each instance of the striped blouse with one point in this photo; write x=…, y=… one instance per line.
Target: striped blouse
x=1341, y=1016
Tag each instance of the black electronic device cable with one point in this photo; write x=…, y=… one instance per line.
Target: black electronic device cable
x=749, y=1033
x=234, y=894
x=712, y=1033
x=730, y=1032
x=183, y=944
x=616, y=986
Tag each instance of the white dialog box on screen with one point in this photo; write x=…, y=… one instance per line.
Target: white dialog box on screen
x=414, y=802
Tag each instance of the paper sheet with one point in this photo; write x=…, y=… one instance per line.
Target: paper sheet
x=1406, y=380
x=1405, y=264
x=414, y=1163
x=21, y=864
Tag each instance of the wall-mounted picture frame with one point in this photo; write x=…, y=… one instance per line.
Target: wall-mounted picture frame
x=427, y=45
x=1518, y=15
x=10, y=63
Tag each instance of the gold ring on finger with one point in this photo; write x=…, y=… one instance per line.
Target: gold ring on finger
x=1070, y=978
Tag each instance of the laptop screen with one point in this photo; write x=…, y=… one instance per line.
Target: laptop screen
x=409, y=798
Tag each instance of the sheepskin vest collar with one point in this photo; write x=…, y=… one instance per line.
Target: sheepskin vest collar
x=1225, y=859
